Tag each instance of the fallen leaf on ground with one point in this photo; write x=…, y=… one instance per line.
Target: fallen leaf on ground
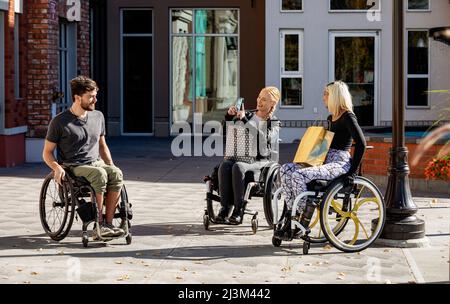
x=198, y=262
x=26, y=282
x=19, y=269
x=308, y=264
x=118, y=262
x=241, y=271
x=34, y=273
x=178, y=278
x=287, y=268
x=40, y=249
x=61, y=252
x=184, y=269
x=327, y=247
x=123, y=278
x=5, y=277
x=387, y=250
x=341, y=274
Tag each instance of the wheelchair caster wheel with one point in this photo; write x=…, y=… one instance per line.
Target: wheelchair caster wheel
x=254, y=225
x=206, y=221
x=129, y=238
x=85, y=240
x=306, y=246
x=276, y=242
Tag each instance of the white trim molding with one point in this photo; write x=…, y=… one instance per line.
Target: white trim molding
x=14, y=131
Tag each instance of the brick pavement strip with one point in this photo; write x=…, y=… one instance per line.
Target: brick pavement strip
x=170, y=244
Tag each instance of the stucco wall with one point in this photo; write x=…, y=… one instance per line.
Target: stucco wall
x=317, y=22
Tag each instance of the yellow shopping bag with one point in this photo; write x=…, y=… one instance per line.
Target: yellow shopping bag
x=314, y=146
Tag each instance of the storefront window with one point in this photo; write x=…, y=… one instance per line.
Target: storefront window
x=205, y=63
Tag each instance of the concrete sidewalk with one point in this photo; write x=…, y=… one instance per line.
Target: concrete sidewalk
x=170, y=244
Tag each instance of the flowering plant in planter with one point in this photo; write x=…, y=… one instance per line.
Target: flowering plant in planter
x=438, y=168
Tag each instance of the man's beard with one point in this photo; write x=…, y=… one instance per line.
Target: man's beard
x=88, y=107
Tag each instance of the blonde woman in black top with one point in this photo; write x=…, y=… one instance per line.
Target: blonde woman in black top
x=343, y=123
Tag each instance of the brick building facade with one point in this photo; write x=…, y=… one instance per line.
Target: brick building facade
x=44, y=43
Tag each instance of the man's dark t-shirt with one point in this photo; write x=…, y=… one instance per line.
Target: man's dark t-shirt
x=77, y=139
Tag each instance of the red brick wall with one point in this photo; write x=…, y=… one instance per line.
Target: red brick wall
x=376, y=161
x=83, y=45
x=15, y=110
x=42, y=56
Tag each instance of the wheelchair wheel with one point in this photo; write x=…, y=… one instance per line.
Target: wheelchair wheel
x=364, y=219
x=56, y=208
x=212, y=205
x=121, y=218
x=206, y=221
x=254, y=225
x=276, y=242
x=273, y=183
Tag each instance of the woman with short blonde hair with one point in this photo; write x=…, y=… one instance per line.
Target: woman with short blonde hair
x=232, y=173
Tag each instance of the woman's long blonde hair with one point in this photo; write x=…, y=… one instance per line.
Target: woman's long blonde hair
x=339, y=98
x=276, y=95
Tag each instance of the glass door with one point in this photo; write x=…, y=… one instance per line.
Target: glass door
x=137, y=72
x=354, y=60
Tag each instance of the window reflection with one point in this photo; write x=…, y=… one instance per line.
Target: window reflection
x=204, y=68
x=216, y=21
x=181, y=21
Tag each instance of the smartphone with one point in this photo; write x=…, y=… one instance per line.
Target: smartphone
x=239, y=103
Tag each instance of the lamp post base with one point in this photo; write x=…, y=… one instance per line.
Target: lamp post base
x=406, y=233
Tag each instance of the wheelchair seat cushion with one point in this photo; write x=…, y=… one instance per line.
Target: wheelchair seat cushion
x=318, y=185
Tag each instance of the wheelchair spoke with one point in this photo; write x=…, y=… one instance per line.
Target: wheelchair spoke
x=362, y=226
x=355, y=237
x=336, y=208
x=316, y=219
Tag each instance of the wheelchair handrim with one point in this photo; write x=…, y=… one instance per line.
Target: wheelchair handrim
x=60, y=233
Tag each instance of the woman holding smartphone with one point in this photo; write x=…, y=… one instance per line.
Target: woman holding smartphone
x=232, y=174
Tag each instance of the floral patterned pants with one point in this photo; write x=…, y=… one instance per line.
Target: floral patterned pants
x=294, y=177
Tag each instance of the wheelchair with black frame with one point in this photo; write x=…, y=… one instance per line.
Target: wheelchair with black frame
x=348, y=213
x=58, y=203
x=259, y=183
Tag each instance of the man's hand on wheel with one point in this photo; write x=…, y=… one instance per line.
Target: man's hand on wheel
x=59, y=174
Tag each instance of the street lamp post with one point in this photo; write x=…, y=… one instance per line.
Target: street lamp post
x=402, y=228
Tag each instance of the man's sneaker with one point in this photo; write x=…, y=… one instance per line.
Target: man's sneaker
x=105, y=232
x=116, y=231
